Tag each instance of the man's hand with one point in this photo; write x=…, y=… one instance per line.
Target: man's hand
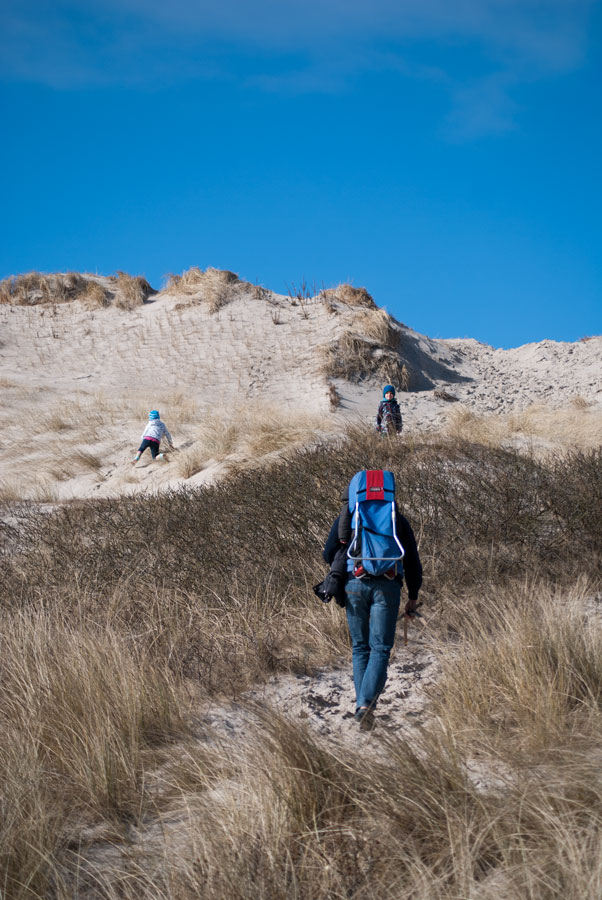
x=410, y=609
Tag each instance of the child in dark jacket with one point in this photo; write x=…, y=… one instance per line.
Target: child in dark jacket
x=388, y=417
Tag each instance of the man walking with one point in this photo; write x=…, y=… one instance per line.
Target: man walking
x=373, y=600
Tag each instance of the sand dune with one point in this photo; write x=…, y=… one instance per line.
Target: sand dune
x=213, y=353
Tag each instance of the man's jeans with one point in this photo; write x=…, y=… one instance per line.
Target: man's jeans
x=372, y=608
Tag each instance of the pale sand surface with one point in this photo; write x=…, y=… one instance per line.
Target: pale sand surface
x=326, y=700
x=77, y=383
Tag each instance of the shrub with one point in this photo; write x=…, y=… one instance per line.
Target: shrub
x=377, y=325
x=481, y=515
x=34, y=288
x=351, y=296
x=131, y=291
x=354, y=358
x=215, y=286
x=95, y=296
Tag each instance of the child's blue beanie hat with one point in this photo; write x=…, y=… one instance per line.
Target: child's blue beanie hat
x=387, y=388
x=154, y=414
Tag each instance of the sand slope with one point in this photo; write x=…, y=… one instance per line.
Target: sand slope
x=77, y=382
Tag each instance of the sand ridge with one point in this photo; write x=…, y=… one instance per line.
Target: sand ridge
x=77, y=383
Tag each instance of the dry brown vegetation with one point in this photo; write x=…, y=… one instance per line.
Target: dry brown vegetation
x=59, y=441
x=354, y=357
x=95, y=296
x=247, y=433
x=62, y=441
x=377, y=325
x=333, y=396
x=131, y=291
x=118, y=617
x=579, y=425
x=445, y=395
x=33, y=288
x=351, y=296
x=217, y=287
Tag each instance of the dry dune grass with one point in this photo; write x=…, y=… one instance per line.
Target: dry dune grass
x=60, y=441
x=533, y=663
x=95, y=296
x=248, y=433
x=35, y=288
x=32, y=288
x=355, y=358
x=89, y=413
x=377, y=325
x=176, y=407
x=215, y=286
x=578, y=425
x=250, y=818
x=189, y=282
x=352, y=296
x=39, y=477
x=283, y=807
x=86, y=719
x=33, y=485
x=131, y=291
x=119, y=617
x=82, y=416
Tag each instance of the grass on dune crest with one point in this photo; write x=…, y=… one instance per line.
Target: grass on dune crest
x=578, y=425
x=217, y=287
x=35, y=288
x=119, y=616
x=350, y=295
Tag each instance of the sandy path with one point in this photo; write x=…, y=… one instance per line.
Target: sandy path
x=325, y=701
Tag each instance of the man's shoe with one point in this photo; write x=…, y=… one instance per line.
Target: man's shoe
x=365, y=719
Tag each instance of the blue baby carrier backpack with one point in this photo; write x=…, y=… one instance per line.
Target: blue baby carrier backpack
x=374, y=548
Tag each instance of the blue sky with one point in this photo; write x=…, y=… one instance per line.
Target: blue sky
x=446, y=155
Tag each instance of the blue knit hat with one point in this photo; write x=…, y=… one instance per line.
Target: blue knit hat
x=387, y=388
x=154, y=414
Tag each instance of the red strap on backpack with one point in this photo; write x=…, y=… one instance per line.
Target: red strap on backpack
x=375, y=484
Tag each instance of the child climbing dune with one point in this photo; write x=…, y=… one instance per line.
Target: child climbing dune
x=151, y=437
x=388, y=417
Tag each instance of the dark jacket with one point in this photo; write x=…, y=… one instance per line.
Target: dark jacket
x=411, y=561
x=335, y=552
x=388, y=411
